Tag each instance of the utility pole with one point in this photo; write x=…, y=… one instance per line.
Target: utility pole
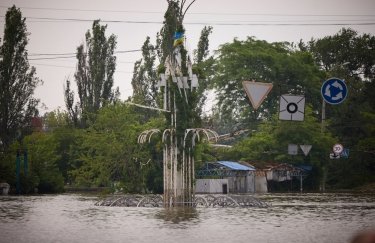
x=323, y=115
x=323, y=183
x=333, y=99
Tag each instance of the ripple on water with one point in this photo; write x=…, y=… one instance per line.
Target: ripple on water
x=291, y=218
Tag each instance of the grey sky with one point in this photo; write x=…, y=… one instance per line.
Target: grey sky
x=64, y=36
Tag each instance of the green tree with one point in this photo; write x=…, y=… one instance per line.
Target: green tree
x=108, y=151
x=17, y=79
x=145, y=76
x=94, y=76
x=67, y=140
x=270, y=144
x=290, y=71
x=43, y=159
x=350, y=56
x=202, y=52
x=144, y=82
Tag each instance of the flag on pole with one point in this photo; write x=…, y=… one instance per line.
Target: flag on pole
x=178, y=39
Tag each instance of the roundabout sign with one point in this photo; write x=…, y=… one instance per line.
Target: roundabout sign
x=334, y=91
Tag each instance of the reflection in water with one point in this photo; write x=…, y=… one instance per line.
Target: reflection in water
x=13, y=210
x=177, y=215
x=329, y=217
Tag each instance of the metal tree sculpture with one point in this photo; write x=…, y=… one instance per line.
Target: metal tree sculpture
x=178, y=169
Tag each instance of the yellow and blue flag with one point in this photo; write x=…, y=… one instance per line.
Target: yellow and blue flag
x=178, y=39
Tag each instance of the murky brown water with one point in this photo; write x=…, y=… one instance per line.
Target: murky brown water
x=291, y=218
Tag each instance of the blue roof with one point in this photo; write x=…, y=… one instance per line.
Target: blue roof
x=235, y=165
x=304, y=167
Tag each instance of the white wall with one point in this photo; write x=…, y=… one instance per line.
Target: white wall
x=261, y=183
x=210, y=185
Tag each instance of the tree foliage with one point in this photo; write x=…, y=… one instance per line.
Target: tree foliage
x=348, y=56
x=351, y=57
x=105, y=152
x=17, y=79
x=290, y=71
x=269, y=144
x=109, y=153
x=203, y=44
x=145, y=76
x=94, y=76
x=345, y=55
x=43, y=158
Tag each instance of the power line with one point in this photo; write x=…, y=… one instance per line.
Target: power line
x=282, y=24
x=193, y=13
x=70, y=67
x=136, y=50
x=229, y=22
x=117, y=61
x=257, y=23
x=51, y=54
x=75, y=53
x=48, y=58
x=50, y=65
x=91, y=20
x=217, y=23
x=64, y=55
x=89, y=10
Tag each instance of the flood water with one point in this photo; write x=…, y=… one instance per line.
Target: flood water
x=291, y=218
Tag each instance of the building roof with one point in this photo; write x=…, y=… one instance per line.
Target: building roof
x=235, y=166
x=305, y=167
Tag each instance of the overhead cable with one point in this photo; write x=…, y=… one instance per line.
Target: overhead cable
x=67, y=55
x=191, y=13
x=258, y=23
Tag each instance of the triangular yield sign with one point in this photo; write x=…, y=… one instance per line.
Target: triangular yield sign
x=305, y=149
x=256, y=92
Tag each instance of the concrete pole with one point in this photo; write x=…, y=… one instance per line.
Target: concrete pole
x=18, y=165
x=323, y=115
x=323, y=183
x=25, y=163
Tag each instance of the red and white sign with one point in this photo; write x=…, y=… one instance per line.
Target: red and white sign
x=257, y=92
x=338, y=148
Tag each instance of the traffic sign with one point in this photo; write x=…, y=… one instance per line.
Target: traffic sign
x=292, y=149
x=292, y=108
x=256, y=91
x=305, y=148
x=338, y=148
x=345, y=153
x=334, y=91
x=334, y=156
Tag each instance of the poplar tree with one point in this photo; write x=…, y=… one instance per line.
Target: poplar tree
x=94, y=76
x=146, y=70
x=17, y=79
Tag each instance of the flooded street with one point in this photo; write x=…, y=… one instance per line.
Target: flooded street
x=291, y=218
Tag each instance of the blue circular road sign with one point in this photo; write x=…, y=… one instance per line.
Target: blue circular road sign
x=334, y=91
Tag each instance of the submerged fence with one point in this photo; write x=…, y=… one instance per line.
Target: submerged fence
x=199, y=201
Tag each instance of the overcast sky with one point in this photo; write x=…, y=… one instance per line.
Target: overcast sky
x=270, y=20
